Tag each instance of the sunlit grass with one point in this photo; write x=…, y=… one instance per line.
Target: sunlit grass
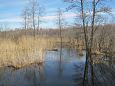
x=25, y=50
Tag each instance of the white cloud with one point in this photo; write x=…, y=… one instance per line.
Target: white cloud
x=69, y=15
x=11, y=20
x=46, y=18
x=54, y=17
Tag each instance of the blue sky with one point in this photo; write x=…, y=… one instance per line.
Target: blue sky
x=10, y=12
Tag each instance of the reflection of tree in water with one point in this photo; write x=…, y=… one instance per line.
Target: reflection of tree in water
x=104, y=75
x=78, y=75
x=35, y=74
x=60, y=63
x=41, y=72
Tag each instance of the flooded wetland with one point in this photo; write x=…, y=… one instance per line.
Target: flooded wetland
x=57, y=43
x=53, y=72
x=66, y=70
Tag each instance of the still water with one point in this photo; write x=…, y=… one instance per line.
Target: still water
x=55, y=71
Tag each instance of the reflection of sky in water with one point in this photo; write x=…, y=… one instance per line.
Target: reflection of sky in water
x=67, y=56
x=52, y=72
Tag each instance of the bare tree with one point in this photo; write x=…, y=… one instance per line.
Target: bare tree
x=31, y=15
x=24, y=15
x=60, y=21
x=29, y=19
x=33, y=11
x=40, y=13
x=89, y=12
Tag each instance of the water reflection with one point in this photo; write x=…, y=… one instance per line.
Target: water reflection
x=55, y=71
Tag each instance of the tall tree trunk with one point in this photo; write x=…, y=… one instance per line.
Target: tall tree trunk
x=86, y=69
x=86, y=44
x=91, y=41
x=38, y=25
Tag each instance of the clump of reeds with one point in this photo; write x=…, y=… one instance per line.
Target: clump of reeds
x=25, y=50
